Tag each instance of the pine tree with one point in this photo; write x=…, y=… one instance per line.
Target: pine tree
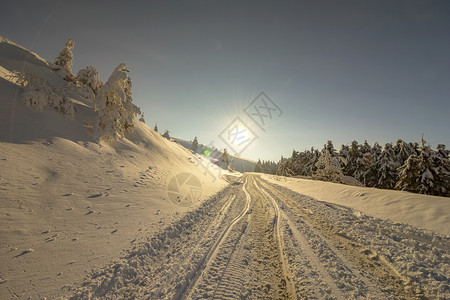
x=114, y=106
x=282, y=169
x=376, y=150
x=258, y=167
x=90, y=78
x=351, y=157
x=402, y=151
x=166, y=134
x=40, y=95
x=225, y=158
x=194, y=146
x=313, y=157
x=365, y=148
x=425, y=173
x=330, y=148
x=408, y=174
x=366, y=169
x=156, y=127
x=295, y=163
x=344, y=154
x=142, y=119
x=442, y=171
x=387, y=168
x=64, y=61
x=328, y=167
x=426, y=170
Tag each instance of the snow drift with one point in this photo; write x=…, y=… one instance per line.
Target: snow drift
x=68, y=202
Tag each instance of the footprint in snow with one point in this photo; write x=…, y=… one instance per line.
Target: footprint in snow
x=114, y=231
x=68, y=194
x=95, y=195
x=24, y=252
x=89, y=212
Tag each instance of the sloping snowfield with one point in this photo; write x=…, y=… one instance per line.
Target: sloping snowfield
x=68, y=203
x=421, y=211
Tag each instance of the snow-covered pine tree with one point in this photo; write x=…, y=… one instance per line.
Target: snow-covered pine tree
x=41, y=95
x=89, y=77
x=402, y=151
x=268, y=167
x=344, y=153
x=225, y=158
x=194, y=146
x=426, y=170
x=364, y=148
x=142, y=119
x=166, y=134
x=114, y=105
x=295, y=165
x=63, y=62
x=156, y=127
x=282, y=169
x=387, y=168
x=425, y=173
x=441, y=162
x=258, y=167
x=330, y=148
x=376, y=150
x=328, y=167
x=313, y=157
x=408, y=174
x=351, y=157
x=366, y=169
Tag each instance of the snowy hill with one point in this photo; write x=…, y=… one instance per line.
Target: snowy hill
x=421, y=211
x=68, y=203
x=237, y=163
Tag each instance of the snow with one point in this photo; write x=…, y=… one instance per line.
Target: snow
x=421, y=211
x=81, y=217
x=70, y=204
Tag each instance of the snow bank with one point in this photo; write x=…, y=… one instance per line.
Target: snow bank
x=69, y=204
x=421, y=211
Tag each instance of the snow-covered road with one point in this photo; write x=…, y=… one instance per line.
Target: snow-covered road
x=257, y=240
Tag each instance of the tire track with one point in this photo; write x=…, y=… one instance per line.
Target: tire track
x=255, y=240
x=359, y=267
x=212, y=253
x=248, y=262
x=162, y=266
x=279, y=238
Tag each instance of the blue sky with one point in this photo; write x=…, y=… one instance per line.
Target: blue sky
x=338, y=70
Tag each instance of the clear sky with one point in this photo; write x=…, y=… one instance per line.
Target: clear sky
x=338, y=70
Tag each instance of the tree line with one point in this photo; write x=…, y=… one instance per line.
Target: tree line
x=401, y=165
